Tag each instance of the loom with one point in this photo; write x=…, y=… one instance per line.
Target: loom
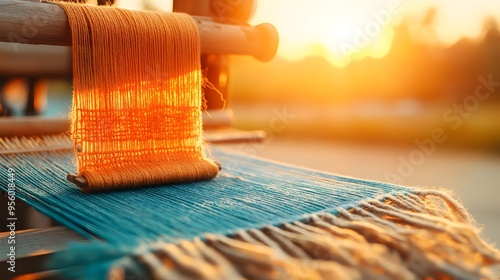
x=257, y=220
x=218, y=39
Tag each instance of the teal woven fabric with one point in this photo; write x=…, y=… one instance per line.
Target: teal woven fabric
x=256, y=220
x=249, y=193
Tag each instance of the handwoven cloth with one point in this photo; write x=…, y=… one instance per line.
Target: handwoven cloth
x=136, y=113
x=258, y=220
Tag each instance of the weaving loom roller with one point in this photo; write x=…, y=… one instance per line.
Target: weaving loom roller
x=260, y=41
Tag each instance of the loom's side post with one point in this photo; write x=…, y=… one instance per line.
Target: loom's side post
x=214, y=64
x=5, y=110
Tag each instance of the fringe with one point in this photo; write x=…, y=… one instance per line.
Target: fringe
x=424, y=235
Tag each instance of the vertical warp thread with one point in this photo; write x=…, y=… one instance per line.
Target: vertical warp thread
x=136, y=113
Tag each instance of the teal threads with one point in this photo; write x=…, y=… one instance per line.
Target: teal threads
x=251, y=193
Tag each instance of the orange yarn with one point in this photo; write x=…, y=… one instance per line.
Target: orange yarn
x=136, y=114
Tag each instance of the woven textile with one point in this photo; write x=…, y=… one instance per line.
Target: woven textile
x=136, y=114
x=257, y=220
x=249, y=194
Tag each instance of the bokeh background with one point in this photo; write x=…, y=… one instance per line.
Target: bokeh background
x=384, y=71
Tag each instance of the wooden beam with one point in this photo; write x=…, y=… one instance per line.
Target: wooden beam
x=21, y=60
x=37, y=125
x=42, y=23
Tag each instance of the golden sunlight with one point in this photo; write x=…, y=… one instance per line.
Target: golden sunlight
x=338, y=30
x=342, y=31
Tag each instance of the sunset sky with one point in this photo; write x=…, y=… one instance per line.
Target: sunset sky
x=345, y=30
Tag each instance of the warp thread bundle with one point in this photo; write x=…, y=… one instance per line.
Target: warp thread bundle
x=136, y=113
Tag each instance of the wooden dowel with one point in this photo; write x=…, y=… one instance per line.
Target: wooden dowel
x=31, y=126
x=28, y=22
x=40, y=61
x=36, y=125
x=81, y=182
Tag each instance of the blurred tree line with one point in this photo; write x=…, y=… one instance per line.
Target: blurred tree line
x=423, y=70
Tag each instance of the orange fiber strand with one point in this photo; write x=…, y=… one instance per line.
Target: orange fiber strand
x=136, y=113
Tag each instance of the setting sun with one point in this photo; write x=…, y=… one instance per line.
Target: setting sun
x=343, y=31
